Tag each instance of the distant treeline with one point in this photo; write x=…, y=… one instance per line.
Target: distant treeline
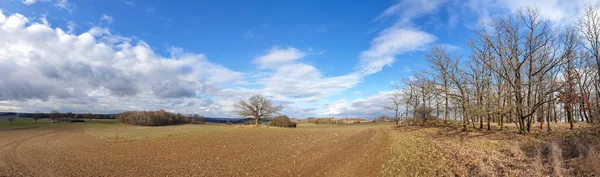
x=62, y=115
x=161, y=118
x=187, y=118
x=157, y=118
x=331, y=120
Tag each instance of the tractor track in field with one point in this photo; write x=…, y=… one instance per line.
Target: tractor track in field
x=302, y=152
x=11, y=157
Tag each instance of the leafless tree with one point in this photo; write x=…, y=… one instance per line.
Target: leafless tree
x=36, y=116
x=521, y=47
x=440, y=61
x=395, y=104
x=55, y=115
x=589, y=27
x=12, y=118
x=258, y=107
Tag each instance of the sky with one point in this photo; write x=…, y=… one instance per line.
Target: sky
x=316, y=58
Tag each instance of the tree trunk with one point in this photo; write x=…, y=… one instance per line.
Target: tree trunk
x=396, y=118
x=548, y=116
x=570, y=118
x=465, y=115
x=447, y=112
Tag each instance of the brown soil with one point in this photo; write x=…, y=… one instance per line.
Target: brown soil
x=71, y=151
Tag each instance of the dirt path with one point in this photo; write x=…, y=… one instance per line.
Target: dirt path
x=73, y=152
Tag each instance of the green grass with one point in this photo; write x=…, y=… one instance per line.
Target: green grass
x=21, y=123
x=113, y=130
x=128, y=132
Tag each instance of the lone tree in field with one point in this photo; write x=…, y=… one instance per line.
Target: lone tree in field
x=11, y=119
x=258, y=107
x=36, y=116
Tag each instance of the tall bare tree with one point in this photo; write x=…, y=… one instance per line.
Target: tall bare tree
x=522, y=46
x=589, y=27
x=440, y=61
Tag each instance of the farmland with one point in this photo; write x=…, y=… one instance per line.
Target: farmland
x=109, y=148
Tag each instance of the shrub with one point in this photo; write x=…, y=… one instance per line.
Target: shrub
x=228, y=123
x=282, y=121
x=151, y=118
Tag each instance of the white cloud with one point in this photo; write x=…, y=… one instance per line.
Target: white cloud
x=407, y=10
x=278, y=56
x=107, y=18
x=399, y=38
x=64, y=4
x=71, y=26
x=129, y=3
x=368, y=107
x=45, y=68
x=338, y=107
x=99, y=71
x=558, y=12
x=28, y=2
x=388, y=44
x=305, y=81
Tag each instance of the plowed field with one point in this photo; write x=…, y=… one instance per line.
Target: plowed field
x=75, y=151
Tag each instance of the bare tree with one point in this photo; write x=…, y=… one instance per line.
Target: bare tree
x=394, y=105
x=258, y=107
x=589, y=27
x=36, y=116
x=55, y=115
x=458, y=79
x=440, y=61
x=12, y=118
x=411, y=97
x=522, y=48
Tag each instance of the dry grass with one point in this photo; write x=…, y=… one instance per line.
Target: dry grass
x=446, y=151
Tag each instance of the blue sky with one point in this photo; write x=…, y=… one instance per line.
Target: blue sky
x=317, y=58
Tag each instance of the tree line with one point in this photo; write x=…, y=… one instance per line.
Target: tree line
x=521, y=69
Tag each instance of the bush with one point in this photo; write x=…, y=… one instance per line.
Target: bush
x=151, y=118
x=228, y=123
x=282, y=121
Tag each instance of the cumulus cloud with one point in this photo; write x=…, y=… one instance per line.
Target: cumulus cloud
x=368, y=107
x=48, y=68
x=289, y=77
x=28, y=2
x=278, y=56
x=305, y=81
x=43, y=67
